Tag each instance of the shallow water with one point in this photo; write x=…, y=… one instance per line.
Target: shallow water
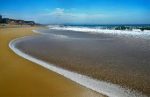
x=123, y=60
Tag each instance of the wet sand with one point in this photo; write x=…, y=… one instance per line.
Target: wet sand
x=22, y=78
x=120, y=60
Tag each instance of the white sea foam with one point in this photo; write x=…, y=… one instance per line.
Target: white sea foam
x=135, y=32
x=111, y=90
x=54, y=35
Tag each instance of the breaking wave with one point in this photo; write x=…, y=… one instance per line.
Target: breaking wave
x=134, y=32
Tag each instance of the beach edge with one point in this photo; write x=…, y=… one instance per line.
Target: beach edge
x=108, y=89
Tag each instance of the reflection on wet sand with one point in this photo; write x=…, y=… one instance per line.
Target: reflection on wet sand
x=121, y=60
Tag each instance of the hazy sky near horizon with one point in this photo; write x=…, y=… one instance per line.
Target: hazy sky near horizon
x=78, y=11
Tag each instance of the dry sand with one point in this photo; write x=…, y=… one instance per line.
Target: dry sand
x=22, y=78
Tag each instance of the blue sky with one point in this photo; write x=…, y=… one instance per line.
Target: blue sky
x=78, y=11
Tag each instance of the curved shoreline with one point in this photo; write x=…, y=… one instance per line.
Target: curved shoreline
x=108, y=89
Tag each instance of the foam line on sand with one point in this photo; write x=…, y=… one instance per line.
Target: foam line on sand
x=111, y=90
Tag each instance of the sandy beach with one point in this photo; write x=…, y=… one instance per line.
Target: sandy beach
x=75, y=48
x=22, y=78
x=120, y=60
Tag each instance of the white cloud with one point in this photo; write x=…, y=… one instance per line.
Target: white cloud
x=58, y=12
x=63, y=13
x=64, y=16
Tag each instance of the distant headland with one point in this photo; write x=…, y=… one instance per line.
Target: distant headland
x=16, y=21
